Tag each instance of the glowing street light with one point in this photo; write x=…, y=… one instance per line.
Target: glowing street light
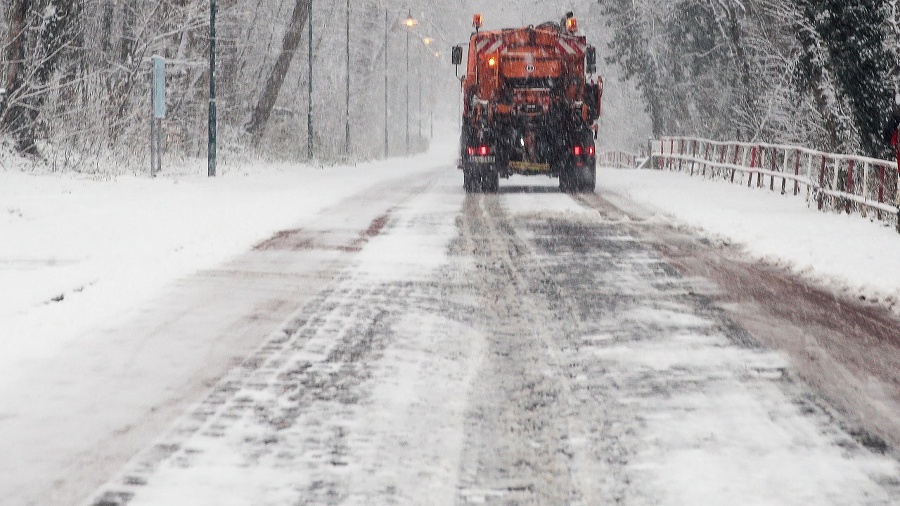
x=409, y=22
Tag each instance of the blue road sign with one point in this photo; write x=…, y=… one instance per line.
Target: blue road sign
x=159, y=87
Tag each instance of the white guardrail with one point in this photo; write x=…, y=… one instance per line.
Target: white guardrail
x=617, y=160
x=835, y=182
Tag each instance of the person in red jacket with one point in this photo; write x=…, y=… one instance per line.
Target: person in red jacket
x=891, y=133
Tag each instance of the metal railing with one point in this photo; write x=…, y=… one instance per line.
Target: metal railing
x=617, y=160
x=835, y=182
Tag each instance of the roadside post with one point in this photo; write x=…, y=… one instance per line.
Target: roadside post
x=213, y=120
x=159, y=114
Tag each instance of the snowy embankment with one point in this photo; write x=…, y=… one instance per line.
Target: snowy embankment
x=847, y=253
x=77, y=253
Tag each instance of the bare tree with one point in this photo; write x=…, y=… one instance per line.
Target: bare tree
x=289, y=44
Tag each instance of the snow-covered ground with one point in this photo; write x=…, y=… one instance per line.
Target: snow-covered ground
x=83, y=260
x=845, y=252
x=106, y=246
x=79, y=253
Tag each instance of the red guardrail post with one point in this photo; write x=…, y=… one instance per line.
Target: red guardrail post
x=705, y=158
x=849, y=183
x=680, y=154
x=671, y=154
x=662, y=152
x=774, y=161
x=796, y=172
x=752, y=166
x=784, y=170
x=693, y=155
x=821, y=196
x=762, y=165
x=724, y=151
x=737, y=149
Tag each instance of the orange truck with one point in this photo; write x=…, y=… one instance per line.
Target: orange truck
x=530, y=106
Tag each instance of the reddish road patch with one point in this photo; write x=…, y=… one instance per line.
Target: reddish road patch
x=348, y=241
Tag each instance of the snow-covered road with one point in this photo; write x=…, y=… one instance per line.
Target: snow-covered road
x=522, y=348
x=408, y=344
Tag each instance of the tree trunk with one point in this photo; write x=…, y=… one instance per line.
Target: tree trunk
x=54, y=36
x=289, y=45
x=818, y=85
x=750, y=92
x=14, y=120
x=15, y=44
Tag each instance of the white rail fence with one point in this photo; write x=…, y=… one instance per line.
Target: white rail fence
x=617, y=160
x=833, y=182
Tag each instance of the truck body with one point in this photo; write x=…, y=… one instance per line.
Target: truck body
x=529, y=106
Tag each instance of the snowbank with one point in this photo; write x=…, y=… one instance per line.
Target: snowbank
x=845, y=252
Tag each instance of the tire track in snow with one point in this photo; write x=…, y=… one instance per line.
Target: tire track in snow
x=314, y=417
x=517, y=447
x=656, y=396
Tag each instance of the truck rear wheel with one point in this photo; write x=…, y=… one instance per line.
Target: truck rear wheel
x=567, y=180
x=490, y=182
x=587, y=179
x=471, y=181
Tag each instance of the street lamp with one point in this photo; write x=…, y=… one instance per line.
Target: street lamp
x=427, y=41
x=409, y=22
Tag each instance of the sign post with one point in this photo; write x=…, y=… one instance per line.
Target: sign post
x=309, y=111
x=159, y=113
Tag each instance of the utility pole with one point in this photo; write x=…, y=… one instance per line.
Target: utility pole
x=309, y=113
x=386, y=16
x=213, y=119
x=347, y=138
x=407, y=84
x=419, y=79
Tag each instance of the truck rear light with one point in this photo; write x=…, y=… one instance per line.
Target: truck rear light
x=578, y=150
x=591, y=150
x=470, y=150
x=484, y=151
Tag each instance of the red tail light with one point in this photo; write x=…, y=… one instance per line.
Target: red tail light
x=591, y=150
x=578, y=150
x=483, y=151
x=470, y=150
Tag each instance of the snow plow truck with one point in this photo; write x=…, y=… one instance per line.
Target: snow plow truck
x=530, y=106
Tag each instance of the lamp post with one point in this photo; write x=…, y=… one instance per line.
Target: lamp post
x=427, y=41
x=407, y=92
x=410, y=22
x=213, y=119
x=309, y=111
x=347, y=137
x=386, y=16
